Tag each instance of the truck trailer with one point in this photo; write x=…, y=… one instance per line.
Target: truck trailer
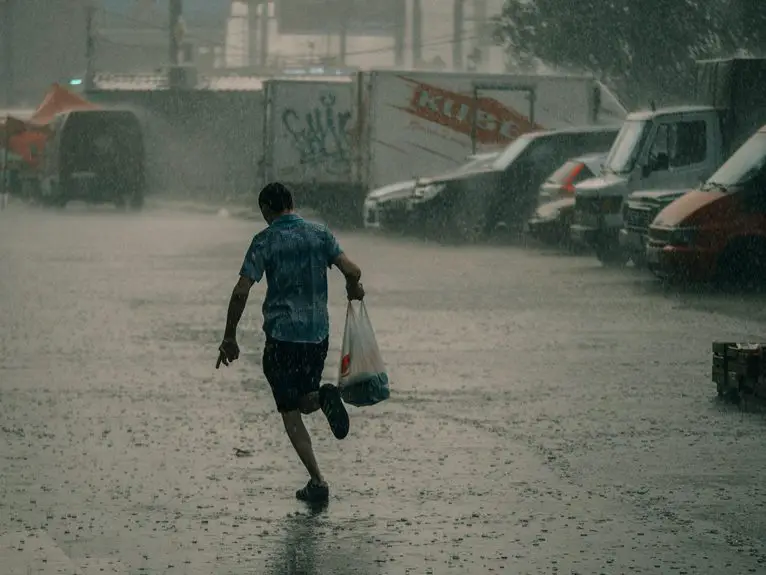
x=335, y=139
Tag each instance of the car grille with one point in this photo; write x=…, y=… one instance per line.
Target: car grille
x=659, y=237
x=639, y=217
x=393, y=212
x=587, y=205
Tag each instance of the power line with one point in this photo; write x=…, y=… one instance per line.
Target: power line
x=238, y=50
x=445, y=40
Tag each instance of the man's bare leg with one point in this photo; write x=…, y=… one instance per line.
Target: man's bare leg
x=301, y=440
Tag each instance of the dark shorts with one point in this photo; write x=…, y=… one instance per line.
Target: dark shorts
x=293, y=370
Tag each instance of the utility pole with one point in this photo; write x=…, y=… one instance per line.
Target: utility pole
x=175, y=30
x=8, y=63
x=457, y=34
x=400, y=31
x=252, y=33
x=480, y=29
x=264, y=34
x=346, y=6
x=90, y=46
x=417, y=33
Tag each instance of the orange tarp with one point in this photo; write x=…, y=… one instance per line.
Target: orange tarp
x=28, y=138
x=58, y=100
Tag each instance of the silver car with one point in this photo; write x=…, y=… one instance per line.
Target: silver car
x=387, y=206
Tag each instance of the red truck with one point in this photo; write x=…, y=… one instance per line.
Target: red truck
x=717, y=231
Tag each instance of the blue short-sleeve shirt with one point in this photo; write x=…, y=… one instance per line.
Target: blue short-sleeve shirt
x=294, y=255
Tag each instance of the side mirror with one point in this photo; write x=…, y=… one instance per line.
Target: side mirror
x=658, y=163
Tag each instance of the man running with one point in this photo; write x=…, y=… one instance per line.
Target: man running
x=295, y=255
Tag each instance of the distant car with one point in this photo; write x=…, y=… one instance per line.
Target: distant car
x=95, y=156
x=556, y=199
x=386, y=207
x=470, y=206
x=381, y=203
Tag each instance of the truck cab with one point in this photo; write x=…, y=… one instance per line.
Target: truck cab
x=668, y=149
x=717, y=231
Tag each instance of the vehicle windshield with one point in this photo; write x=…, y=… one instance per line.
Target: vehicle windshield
x=624, y=153
x=747, y=163
x=510, y=153
x=477, y=163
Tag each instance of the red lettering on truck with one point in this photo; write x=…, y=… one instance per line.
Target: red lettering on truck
x=496, y=123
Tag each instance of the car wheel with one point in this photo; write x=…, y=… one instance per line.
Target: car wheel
x=639, y=260
x=742, y=263
x=137, y=201
x=469, y=219
x=612, y=256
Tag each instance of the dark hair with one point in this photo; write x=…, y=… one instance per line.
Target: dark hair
x=276, y=197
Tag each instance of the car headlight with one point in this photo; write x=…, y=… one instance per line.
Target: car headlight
x=682, y=237
x=429, y=192
x=547, y=213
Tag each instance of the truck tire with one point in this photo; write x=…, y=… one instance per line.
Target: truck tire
x=611, y=256
x=742, y=263
x=58, y=202
x=137, y=201
x=639, y=260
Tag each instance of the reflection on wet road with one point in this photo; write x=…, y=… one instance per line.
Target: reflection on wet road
x=547, y=416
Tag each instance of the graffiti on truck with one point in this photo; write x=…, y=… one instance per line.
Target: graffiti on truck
x=321, y=135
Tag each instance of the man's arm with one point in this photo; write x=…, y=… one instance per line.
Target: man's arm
x=353, y=276
x=336, y=257
x=237, y=305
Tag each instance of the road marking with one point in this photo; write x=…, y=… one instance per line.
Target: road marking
x=36, y=553
x=33, y=553
x=100, y=566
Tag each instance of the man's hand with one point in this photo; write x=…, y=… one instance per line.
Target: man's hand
x=355, y=290
x=228, y=352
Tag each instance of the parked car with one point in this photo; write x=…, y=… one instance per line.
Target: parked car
x=386, y=207
x=556, y=199
x=718, y=231
x=469, y=206
x=381, y=204
x=96, y=156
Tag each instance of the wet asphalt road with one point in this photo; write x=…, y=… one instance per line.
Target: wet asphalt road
x=547, y=416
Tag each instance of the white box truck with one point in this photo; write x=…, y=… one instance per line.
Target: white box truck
x=415, y=124
x=333, y=139
x=308, y=136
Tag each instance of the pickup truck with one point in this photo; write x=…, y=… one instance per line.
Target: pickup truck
x=638, y=213
x=671, y=149
x=717, y=231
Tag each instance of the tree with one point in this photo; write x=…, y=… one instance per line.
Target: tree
x=753, y=19
x=644, y=49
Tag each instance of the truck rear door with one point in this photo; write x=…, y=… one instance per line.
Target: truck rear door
x=308, y=131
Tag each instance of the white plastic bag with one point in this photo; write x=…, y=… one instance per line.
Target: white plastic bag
x=362, y=376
